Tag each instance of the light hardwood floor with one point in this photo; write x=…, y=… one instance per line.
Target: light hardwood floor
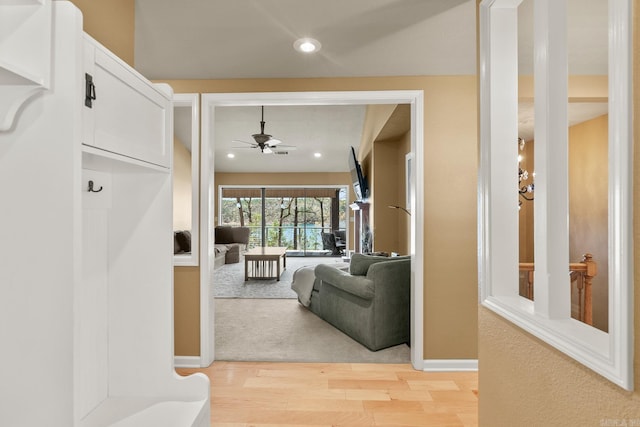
x=338, y=394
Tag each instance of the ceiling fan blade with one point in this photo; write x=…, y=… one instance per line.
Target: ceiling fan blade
x=273, y=142
x=267, y=150
x=244, y=142
x=285, y=147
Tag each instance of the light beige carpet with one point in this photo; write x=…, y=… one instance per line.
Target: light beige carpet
x=228, y=281
x=282, y=330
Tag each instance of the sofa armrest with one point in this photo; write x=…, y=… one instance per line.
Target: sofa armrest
x=389, y=276
x=359, y=286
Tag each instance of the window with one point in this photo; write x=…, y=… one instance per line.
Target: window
x=548, y=316
x=294, y=216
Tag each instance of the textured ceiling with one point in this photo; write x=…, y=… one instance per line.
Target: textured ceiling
x=219, y=39
x=205, y=39
x=326, y=129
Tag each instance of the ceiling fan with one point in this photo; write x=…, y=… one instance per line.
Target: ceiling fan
x=265, y=142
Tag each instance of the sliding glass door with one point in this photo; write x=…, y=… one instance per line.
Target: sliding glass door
x=292, y=217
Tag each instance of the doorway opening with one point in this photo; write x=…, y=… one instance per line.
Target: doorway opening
x=212, y=101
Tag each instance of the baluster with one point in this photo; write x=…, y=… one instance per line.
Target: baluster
x=579, y=277
x=592, y=270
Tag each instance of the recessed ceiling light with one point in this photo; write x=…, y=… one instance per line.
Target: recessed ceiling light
x=231, y=155
x=307, y=45
x=317, y=155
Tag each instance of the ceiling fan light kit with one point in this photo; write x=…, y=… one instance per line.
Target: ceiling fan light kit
x=266, y=142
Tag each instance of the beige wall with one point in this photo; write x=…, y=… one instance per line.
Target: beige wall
x=450, y=134
x=525, y=382
x=374, y=120
x=111, y=23
x=186, y=306
x=588, y=206
x=390, y=226
x=182, y=186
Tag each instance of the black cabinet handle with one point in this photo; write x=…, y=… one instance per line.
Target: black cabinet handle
x=90, y=91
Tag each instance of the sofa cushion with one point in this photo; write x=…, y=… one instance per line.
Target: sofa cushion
x=226, y=234
x=360, y=263
x=240, y=235
x=223, y=234
x=183, y=239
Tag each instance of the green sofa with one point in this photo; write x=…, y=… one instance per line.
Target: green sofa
x=370, y=302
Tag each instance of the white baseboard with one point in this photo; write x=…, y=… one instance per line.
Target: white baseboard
x=440, y=365
x=431, y=365
x=186, y=361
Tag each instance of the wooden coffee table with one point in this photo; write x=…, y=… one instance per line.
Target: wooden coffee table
x=262, y=261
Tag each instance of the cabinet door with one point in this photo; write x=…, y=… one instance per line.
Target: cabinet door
x=124, y=113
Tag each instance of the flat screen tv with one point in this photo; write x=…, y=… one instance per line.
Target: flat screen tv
x=360, y=185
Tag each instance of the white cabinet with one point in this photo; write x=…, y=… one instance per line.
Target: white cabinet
x=123, y=114
x=86, y=314
x=25, y=54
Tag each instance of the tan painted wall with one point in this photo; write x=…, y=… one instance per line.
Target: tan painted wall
x=111, y=23
x=186, y=306
x=524, y=382
x=450, y=195
x=374, y=120
x=588, y=206
x=182, y=186
x=390, y=233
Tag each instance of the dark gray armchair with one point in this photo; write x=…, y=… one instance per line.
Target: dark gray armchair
x=370, y=303
x=332, y=243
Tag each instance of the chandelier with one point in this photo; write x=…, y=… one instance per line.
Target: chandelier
x=525, y=189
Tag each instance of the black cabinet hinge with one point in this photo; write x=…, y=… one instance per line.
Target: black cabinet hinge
x=90, y=90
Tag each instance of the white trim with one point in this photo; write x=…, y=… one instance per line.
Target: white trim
x=192, y=100
x=551, y=208
x=207, y=200
x=416, y=245
x=621, y=296
x=609, y=354
x=186, y=361
x=413, y=97
x=450, y=365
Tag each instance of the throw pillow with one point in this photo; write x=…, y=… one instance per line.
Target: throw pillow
x=360, y=263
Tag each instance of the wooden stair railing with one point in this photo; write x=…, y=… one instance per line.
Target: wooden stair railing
x=580, y=272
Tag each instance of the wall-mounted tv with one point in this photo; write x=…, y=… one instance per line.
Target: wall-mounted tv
x=360, y=185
